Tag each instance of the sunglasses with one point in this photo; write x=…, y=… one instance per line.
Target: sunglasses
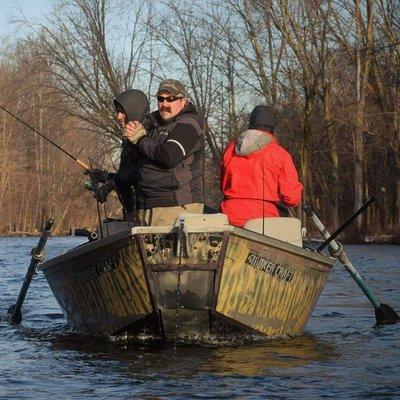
x=168, y=99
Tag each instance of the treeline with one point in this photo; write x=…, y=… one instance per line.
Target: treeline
x=38, y=181
x=331, y=70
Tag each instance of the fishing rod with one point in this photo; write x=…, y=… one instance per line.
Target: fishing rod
x=80, y=163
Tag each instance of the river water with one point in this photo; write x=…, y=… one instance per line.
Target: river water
x=342, y=354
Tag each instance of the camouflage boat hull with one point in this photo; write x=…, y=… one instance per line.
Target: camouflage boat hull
x=192, y=282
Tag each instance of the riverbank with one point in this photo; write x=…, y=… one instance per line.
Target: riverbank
x=382, y=239
x=368, y=239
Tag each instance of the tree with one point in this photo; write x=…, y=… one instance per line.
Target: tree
x=92, y=58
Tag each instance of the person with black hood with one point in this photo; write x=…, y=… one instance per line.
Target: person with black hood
x=131, y=109
x=257, y=173
x=169, y=167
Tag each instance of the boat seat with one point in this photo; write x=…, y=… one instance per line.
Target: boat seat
x=282, y=228
x=204, y=222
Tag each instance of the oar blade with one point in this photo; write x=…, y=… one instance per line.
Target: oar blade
x=385, y=314
x=13, y=315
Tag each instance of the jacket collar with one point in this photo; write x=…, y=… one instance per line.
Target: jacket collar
x=252, y=140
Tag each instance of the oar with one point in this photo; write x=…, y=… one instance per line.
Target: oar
x=14, y=314
x=351, y=219
x=384, y=314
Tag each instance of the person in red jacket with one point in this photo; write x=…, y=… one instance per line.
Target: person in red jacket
x=257, y=173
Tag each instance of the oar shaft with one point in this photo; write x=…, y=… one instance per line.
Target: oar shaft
x=80, y=163
x=37, y=257
x=320, y=227
x=339, y=252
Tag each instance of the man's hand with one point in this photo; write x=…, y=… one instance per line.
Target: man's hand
x=134, y=131
x=103, y=190
x=98, y=175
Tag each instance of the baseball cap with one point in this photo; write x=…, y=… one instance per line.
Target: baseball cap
x=172, y=86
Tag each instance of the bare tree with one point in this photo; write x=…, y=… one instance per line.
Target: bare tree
x=330, y=68
x=91, y=57
x=304, y=27
x=386, y=91
x=190, y=48
x=364, y=35
x=256, y=46
x=37, y=181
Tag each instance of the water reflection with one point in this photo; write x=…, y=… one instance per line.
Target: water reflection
x=142, y=362
x=257, y=359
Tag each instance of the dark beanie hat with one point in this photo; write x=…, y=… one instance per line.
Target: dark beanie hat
x=263, y=117
x=134, y=103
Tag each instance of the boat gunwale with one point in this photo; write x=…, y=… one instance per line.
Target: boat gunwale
x=87, y=247
x=130, y=233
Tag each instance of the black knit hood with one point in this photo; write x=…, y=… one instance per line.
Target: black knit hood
x=135, y=104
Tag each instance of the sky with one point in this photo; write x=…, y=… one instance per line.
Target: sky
x=35, y=10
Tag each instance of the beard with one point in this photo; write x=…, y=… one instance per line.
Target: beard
x=165, y=113
x=166, y=109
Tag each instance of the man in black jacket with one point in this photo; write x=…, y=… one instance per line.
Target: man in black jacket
x=131, y=106
x=169, y=166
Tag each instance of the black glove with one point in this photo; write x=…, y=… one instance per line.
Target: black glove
x=98, y=175
x=102, y=192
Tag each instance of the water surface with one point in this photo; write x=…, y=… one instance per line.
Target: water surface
x=342, y=354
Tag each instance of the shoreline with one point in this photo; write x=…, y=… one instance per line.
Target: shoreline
x=383, y=240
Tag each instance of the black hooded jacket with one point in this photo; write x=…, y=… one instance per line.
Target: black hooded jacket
x=136, y=106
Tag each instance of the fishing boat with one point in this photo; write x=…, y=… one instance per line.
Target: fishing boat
x=198, y=279
x=194, y=281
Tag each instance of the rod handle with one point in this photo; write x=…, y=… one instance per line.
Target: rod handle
x=83, y=165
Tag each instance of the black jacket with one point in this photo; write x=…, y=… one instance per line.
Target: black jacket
x=125, y=179
x=136, y=107
x=169, y=169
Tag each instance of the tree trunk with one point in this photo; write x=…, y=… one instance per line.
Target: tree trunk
x=363, y=66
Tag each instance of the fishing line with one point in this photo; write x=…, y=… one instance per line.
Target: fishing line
x=106, y=218
x=133, y=205
x=294, y=215
x=263, y=191
x=96, y=191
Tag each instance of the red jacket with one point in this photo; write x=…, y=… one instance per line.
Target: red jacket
x=256, y=168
